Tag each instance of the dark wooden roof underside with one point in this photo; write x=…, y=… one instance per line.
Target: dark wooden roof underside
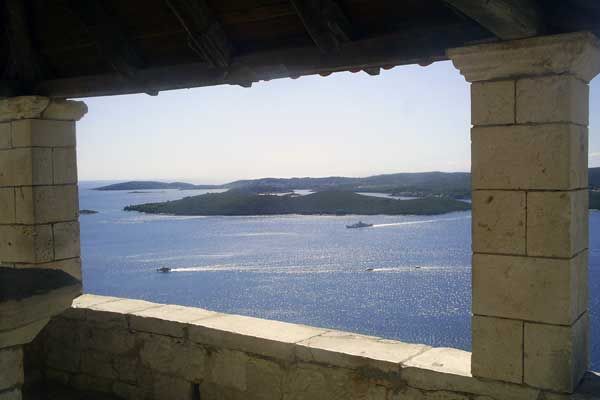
x=79, y=48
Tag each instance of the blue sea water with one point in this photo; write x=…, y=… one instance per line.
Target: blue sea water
x=302, y=269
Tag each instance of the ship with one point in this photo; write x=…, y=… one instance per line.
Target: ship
x=359, y=224
x=163, y=269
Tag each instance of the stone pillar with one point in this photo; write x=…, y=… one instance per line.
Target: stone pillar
x=529, y=155
x=40, y=268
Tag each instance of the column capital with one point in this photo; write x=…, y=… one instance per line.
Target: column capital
x=40, y=107
x=577, y=54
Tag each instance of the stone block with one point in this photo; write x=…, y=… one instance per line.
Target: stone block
x=25, y=167
x=23, y=334
x=116, y=313
x=90, y=300
x=26, y=244
x=499, y=221
x=544, y=290
x=63, y=358
x=5, y=136
x=557, y=223
x=7, y=206
x=556, y=357
x=228, y=369
x=170, y=320
x=98, y=364
x=497, y=349
x=166, y=387
x=173, y=357
x=71, y=266
x=46, y=204
x=65, y=110
x=575, y=54
x=251, y=335
x=264, y=379
x=493, y=103
x=343, y=349
x=557, y=98
x=14, y=108
x=64, y=165
x=108, y=339
x=13, y=394
x=520, y=157
x=66, y=240
x=43, y=133
x=11, y=366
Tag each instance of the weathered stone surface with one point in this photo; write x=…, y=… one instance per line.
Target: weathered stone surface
x=90, y=300
x=11, y=367
x=66, y=240
x=115, y=313
x=264, y=379
x=71, y=266
x=228, y=368
x=499, y=221
x=98, y=364
x=64, y=165
x=26, y=244
x=113, y=340
x=556, y=357
x=348, y=350
x=166, y=387
x=173, y=357
x=497, y=349
x=577, y=54
x=5, y=136
x=14, y=108
x=252, y=335
x=444, y=360
x=535, y=289
x=7, y=205
x=90, y=383
x=23, y=334
x=168, y=320
x=551, y=157
x=408, y=393
x=63, y=358
x=43, y=133
x=65, y=110
x=493, y=103
x=46, y=204
x=13, y=394
x=557, y=98
x=557, y=223
x=26, y=167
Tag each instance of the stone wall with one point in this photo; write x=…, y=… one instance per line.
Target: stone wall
x=134, y=349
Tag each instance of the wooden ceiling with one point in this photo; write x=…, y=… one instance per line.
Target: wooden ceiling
x=80, y=48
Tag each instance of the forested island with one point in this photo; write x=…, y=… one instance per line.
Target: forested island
x=240, y=202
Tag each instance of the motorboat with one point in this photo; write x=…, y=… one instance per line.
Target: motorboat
x=163, y=269
x=359, y=224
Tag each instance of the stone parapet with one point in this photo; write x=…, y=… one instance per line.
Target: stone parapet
x=140, y=350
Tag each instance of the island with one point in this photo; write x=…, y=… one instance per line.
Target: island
x=240, y=203
x=153, y=185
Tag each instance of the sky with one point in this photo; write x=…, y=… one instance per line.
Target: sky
x=408, y=119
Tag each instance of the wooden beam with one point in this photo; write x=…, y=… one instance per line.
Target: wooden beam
x=409, y=47
x=325, y=23
x=205, y=34
x=22, y=61
x=507, y=19
x=112, y=43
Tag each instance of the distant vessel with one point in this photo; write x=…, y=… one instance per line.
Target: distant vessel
x=163, y=269
x=359, y=224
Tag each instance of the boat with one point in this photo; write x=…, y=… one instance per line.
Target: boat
x=359, y=224
x=163, y=269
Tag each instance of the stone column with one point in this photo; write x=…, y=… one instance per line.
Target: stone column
x=529, y=155
x=40, y=270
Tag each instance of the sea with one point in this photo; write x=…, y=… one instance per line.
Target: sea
x=407, y=278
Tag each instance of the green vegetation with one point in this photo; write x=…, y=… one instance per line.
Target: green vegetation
x=237, y=202
x=151, y=185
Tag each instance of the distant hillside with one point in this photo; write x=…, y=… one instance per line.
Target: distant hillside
x=149, y=185
x=236, y=202
x=421, y=184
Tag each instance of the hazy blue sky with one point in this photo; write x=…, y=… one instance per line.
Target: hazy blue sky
x=407, y=119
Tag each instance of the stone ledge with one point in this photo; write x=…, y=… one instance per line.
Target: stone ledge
x=39, y=107
x=234, y=354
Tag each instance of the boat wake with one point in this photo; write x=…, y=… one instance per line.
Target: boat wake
x=426, y=221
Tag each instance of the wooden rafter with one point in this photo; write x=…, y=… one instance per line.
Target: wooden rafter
x=112, y=43
x=366, y=54
x=507, y=19
x=205, y=34
x=325, y=23
x=22, y=63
